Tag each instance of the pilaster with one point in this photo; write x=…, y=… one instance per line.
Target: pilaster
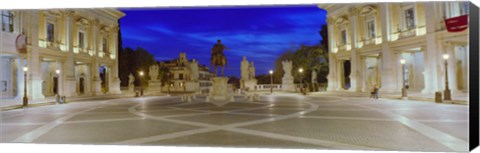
x=386, y=66
x=431, y=55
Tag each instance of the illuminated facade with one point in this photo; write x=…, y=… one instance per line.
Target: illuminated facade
x=371, y=39
x=69, y=52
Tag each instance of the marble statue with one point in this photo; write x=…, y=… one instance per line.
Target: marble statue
x=244, y=68
x=287, y=69
x=153, y=72
x=251, y=71
x=131, y=79
x=314, y=76
x=194, y=70
x=287, y=79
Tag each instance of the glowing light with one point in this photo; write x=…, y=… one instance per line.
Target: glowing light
x=402, y=61
x=445, y=56
x=25, y=68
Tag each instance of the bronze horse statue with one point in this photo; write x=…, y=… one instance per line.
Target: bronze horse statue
x=218, y=57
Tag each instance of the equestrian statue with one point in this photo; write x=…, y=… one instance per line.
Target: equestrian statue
x=218, y=57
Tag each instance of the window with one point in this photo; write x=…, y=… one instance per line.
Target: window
x=180, y=76
x=371, y=28
x=7, y=21
x=409, y=18
x=81, y=40
x=50, y=32
x=104, y=44
x=344, y=36
x=464, y=8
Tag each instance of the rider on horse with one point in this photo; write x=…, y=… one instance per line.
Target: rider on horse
x=218, y=57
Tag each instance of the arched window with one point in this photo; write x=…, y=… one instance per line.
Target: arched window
x=7, y=21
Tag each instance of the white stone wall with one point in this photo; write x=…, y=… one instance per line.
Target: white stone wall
x=422, y=47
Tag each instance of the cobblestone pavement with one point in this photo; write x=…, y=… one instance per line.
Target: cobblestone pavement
x=275, y=121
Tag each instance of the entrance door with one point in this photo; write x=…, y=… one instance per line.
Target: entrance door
x=55, y=85
x=82, y=86
x=346, y=74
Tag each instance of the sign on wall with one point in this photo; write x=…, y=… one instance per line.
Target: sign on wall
x=457, y=24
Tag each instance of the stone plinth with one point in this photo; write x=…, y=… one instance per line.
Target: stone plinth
x=250, y=84
x=191, y=86
x=219, y=91
x=287, y=84
x=115, y=88
x=154, y=86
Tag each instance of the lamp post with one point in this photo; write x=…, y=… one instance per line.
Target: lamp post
x=58, y=81
x=301, y=80
x=25, y=98
x=447, y=92
x=168, y=83
x=404, y=88
x=271, y=81
x=141, y=84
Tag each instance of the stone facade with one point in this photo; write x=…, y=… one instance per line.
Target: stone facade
x=373, y=38
x=186, y=76
x=79, y=44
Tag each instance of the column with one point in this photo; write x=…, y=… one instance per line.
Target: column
x=20, y=78
x=70, y=81
x=355, y=82
x=34, y=74
x=466, y=81
x=115, y=84
x=341, y=75
x=452, y=68
x=332, y=72
x=399, y=72
x=386, y=68
x=96, y=82
x=363, y=70
x=432, y=56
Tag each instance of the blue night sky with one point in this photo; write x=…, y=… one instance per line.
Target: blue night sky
x=260, y=33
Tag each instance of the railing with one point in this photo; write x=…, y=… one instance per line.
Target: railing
x=408, y=33
x=268, y=86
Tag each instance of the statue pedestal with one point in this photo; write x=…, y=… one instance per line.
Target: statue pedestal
x=154, y=86
x=219, y=94
x=250, y=84
x=191, y=86
x=115, y=87
x=131, y=88
x=287, y=84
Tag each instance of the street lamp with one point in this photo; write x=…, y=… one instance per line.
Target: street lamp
x=58, y=81
x=447, y=92
x=25, y=98
x=271, y=81
x=404, y=88
x=141, y=85
x=301, y=80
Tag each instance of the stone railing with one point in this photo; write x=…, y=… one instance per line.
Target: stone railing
x=408, y=33
x=268, y=86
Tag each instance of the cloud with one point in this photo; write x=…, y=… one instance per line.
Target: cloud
x=260, y=33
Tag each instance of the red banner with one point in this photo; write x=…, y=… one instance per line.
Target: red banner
x=457, y=24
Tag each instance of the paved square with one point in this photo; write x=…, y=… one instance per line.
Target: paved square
x=275, y=121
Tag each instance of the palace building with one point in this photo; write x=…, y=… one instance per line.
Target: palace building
x=186, y=76
x=368, y=41
x=69, y=52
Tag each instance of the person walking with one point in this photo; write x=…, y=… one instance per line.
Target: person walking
x=375, y=91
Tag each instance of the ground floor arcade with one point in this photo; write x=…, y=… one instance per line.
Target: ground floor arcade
x=54, y=75
x=424, y=69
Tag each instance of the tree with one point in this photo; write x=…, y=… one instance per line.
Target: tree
x=132, y=61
